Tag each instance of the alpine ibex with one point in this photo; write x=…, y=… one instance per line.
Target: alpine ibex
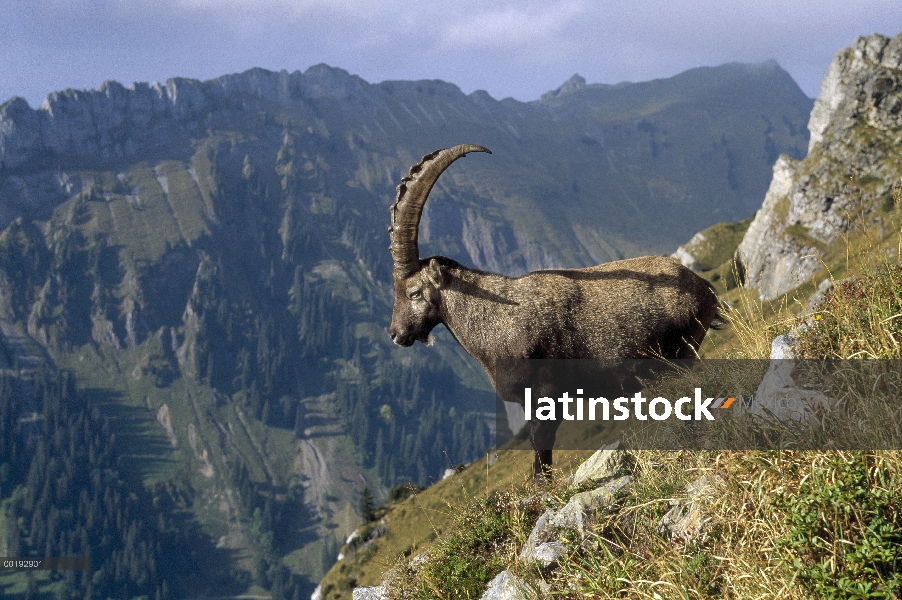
x=635, y=308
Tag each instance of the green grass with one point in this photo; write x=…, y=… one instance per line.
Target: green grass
x=155, y=227
x=186, y=200
x=779, y=525
x=133, y=212
x=717, y=244
x=463, y=563
x=860, y=318
x=843, y=536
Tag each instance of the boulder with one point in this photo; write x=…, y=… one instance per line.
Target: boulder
x=604, y=464
x=378, y=592
x=687, y=520
x=507, y=586
x=780, y=396
x=545, y=545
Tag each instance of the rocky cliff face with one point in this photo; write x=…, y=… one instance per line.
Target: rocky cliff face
x=852, y=163
x=587, y=174
x=114, y=121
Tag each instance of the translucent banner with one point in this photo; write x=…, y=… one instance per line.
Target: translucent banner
x=702, y=404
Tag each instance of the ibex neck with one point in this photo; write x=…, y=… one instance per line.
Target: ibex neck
x=479, y=311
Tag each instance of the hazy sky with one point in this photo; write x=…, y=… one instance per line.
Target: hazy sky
x=509, y=48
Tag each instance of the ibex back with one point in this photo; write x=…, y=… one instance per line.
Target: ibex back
x=637, y=308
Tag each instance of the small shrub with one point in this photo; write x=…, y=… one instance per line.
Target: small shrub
x=404, y=491
x=843, y=534
x=463, y=562
x=860, y=318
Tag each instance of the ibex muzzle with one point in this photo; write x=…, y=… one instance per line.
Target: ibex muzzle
x=417, y=302
x=637, y=308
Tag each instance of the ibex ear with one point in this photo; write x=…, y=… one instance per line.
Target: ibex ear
x=435, y=274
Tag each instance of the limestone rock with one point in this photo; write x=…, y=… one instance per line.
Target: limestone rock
x=200, y=452
x=782, y=393
x=20, y=133
x=361, y=539
x=165, y=420
x=102, y=332
x=114, y=121
x=377, y=592
x=686, y=259
x=851, y=165
x=775, y=263
x=866, y=53
x=604, y=464
x=507, y=586
x=687, y=520
x=779, y=396
x=544, y=544
x=781, y=347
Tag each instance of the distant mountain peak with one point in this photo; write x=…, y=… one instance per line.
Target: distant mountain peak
x=574, y=84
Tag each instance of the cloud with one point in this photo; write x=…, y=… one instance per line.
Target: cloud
x=517, y=48
x=514, y=26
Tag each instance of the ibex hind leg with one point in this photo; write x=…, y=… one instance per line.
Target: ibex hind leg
x=542, y=467
x=542, y=435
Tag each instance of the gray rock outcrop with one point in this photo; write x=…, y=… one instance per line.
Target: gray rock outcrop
x=782, y=395
x=847, y=176
x=688, y=520
x=685, y=257
x=507, y=586
x=378, y=592
x=604, y=464
x=545, y=545
x=114, y=121
x=782, y=347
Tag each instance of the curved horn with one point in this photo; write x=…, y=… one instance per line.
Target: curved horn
x=408, y=207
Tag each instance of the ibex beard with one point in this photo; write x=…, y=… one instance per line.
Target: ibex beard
x=637, y=308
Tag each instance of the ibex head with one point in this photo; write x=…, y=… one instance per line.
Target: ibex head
x=417, y=282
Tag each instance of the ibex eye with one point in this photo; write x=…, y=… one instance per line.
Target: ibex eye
x=416, y=295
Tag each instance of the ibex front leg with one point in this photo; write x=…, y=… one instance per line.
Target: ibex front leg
x=542, y=435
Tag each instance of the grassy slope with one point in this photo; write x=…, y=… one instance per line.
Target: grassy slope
x=416, y=523
x=759, y=545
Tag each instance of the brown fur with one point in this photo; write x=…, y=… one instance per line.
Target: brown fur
x=636, y=308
